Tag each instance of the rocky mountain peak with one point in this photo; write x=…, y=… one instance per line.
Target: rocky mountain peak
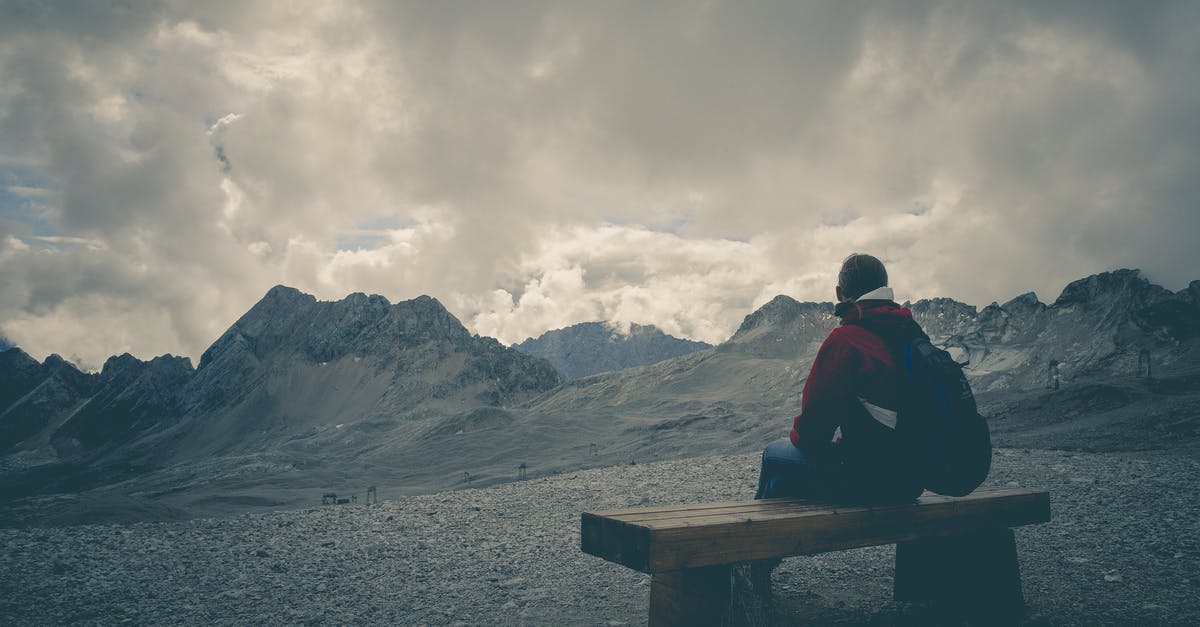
x=15, y=358
x=423, y=320
x=1024, y=303
x=942, y=306
x=643, y=329
x=121, y=367
x=280, y=303
x=19, y=373
x=1192, y=292
x=782, y=311
x=55, y=362
x=587, y=348
x=284, y=294
x=942, y=316
x=170, y=364
x=1123, y=285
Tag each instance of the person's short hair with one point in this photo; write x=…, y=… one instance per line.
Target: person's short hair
x=860, y=274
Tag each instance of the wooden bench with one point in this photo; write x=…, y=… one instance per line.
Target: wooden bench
x=955, y=552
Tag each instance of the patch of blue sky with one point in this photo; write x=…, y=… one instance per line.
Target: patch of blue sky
x=211, y=118
x=226, y=167
x=372, y=234
x=672, y=224
x=919, y=208
x=24, y=193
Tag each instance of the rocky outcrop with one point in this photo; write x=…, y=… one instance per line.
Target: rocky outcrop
x=783, y=329
x=132, y=397
x=1101, y=325
x=399, y=355
x=943, y=316
x=19, y=373
x=59, y=390
x=591, y=347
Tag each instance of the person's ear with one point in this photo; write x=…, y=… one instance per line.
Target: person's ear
x=840, y=296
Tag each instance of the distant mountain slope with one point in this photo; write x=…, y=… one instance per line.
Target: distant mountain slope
x=38, y=397
x=131, y=397
x=274, y=391
x=293, y=364
x=1099, y=326
x=591, y=347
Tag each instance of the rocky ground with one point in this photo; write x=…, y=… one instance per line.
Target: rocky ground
x=1123, y=548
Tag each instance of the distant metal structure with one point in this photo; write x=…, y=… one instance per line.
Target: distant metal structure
x=1144, y=369
x=343, y=501
x=354, y=498
x=1052, y=375
x=329, y=498
x=372, y=495
x=521, y=472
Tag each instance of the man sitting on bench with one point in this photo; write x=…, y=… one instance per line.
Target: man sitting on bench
x=843, y=444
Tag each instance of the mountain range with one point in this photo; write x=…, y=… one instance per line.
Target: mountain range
x=590, y=347
x=301, y=397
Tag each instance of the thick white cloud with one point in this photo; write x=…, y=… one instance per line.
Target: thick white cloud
x=688, y=287
x=538, y=164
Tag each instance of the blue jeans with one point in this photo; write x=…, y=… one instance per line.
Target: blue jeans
x=789, y=471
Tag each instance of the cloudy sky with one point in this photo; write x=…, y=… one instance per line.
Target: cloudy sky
x=533, y=165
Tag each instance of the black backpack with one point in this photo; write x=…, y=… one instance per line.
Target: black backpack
x=943, y=437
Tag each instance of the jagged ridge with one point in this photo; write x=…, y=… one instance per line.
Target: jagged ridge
x=591, y=347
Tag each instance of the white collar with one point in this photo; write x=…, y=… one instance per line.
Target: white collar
x=882, y=293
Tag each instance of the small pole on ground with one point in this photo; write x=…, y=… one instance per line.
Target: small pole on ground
x=1144, y=364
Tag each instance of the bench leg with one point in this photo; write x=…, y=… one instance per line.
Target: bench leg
x=696, y=596
x=732, y=594
x=974, y=575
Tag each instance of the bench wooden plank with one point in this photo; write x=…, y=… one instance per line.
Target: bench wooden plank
x=747, y=507
x=766, y=506
x=749, y=511
x=635, y=513
x=804, y=508
x=666, y=511
x=785, y=536
x=618, y=513
x=694, y=536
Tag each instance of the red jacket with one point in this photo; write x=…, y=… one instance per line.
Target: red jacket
x=852, y=363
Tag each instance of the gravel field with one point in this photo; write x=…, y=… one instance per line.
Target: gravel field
x=1123, y=548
